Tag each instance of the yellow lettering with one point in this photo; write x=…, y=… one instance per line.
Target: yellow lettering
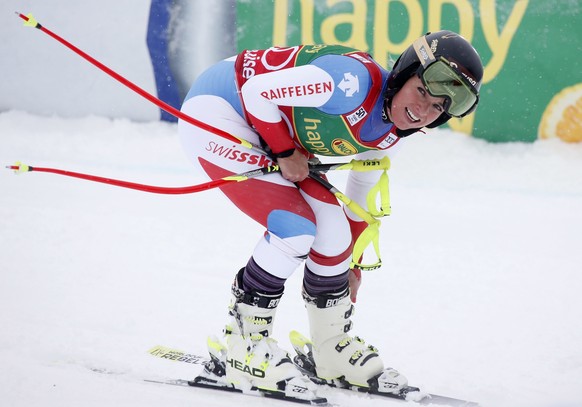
x=313, y=135
x=356, y=20
x=312, y=124
x=307, y=24
x=314, y=49
x=383, y=47
x=466, y=16
x=499, y=42
x=280, y=22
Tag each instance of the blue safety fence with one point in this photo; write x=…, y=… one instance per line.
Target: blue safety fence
x=158, y=46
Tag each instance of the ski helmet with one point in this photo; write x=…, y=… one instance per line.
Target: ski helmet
x=448, y=66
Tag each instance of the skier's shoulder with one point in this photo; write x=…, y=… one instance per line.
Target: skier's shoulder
x=338, y=58
x=350, y=66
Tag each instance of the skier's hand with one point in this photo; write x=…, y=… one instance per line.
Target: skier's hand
x=355, y=279
x=294, y=168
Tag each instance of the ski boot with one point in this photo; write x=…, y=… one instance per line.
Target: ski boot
x=336, y=358
x=252, y=361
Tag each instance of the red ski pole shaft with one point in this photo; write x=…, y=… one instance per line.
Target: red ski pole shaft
x=356, y=165
x=31, y=21
x=21, y=168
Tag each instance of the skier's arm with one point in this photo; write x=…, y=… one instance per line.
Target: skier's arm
x=262, y=96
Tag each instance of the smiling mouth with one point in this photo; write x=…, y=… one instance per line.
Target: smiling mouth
x=411, y=116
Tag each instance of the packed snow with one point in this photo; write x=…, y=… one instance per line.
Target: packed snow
x=479, y=296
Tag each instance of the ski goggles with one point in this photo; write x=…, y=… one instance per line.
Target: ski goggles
x=441, y=80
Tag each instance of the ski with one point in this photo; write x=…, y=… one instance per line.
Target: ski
x=408, y=393
x=305, y=363
x=253, y=391
x=214, y=371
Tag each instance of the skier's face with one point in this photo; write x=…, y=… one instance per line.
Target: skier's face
x=413, y=107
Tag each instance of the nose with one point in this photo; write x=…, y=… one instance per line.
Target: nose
x=423, y=108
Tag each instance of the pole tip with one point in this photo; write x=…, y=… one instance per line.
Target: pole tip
x=29, y=20
x=19, y=168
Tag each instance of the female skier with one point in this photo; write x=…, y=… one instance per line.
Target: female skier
x=300, y=102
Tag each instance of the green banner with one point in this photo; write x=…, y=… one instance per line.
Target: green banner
x=531, y=50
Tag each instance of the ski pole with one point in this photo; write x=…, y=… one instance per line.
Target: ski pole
x=22, y=168
x=356, y=165
x=30, y=21
x=370, y=235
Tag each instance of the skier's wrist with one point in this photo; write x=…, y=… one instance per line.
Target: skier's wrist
x=284, y=153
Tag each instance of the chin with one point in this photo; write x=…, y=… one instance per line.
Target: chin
x=401, y=121
x=405, y=125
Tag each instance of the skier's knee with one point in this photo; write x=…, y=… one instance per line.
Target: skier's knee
x=293, y=233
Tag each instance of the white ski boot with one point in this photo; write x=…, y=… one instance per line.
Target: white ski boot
x=254, y=360
x=340, y=359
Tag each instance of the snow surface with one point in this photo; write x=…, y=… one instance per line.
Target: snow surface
x=479, y=297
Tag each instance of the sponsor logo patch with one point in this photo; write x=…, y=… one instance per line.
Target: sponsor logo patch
x=349, y=84
x=300, y=90
x=238, y=365
x=387, y=142
x=343, y=147
x=234, y=154
x=357, y=116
